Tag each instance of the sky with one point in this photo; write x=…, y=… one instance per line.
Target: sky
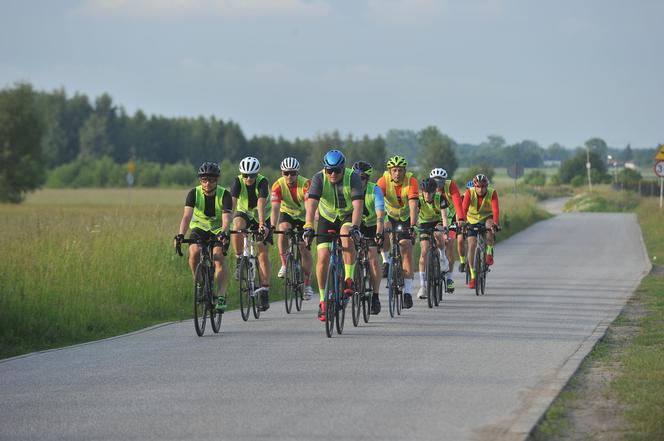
x=556, y=71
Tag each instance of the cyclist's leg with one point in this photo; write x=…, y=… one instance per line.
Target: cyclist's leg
x=284, y=224
x=194, y=249
x=449, y=250
x=407, y=257
x=460, y=249
x=472, y=243
x=323, y=255
x=348, y=249
x=424, y=249
x=240, y=222
x=385, y=251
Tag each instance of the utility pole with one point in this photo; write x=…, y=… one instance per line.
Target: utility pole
x=590, y=184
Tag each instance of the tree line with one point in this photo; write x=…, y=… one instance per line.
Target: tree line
x=76, y=142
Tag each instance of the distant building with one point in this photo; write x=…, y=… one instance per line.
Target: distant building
x=630, y=165
x=552, y=163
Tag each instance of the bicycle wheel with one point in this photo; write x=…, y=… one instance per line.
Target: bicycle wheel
x=479, y=256
x=200, y=301
x=330, y=294
x=245, y=289
x=367, y=291
x=356, y=299
x=215, y=316
x=391, y=289
x=467, y=270
x=482, y=280
x=429, y=277
x=289, y=283
x=400, y=285
x=436, y=278
x=299, y=282
x=340, y=303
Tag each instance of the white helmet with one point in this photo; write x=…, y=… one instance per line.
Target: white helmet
x=438, y=173
x=290, y=164
x=249, y=165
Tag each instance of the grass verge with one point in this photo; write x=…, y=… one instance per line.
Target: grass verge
x=618, y=393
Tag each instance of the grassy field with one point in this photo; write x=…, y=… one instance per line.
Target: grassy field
x=627, y=399
x=80, y=265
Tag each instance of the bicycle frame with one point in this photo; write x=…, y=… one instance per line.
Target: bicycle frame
x=395, y=281
x=249, y=259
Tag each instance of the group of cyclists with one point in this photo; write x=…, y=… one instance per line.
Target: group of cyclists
x=342, y=200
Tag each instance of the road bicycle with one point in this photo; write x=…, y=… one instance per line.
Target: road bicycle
x=395, y=281
x=204, y=289
x=294, y=279
x=479, y=264
x=335, y=303
x=361, y=300
x=435, y=276
x=249, y=295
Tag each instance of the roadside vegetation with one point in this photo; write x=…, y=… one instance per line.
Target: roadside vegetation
x=618, y=392
x=80, y=265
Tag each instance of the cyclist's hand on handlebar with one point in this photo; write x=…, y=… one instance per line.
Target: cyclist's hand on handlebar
x=308, y=236
x=225, y=240
x=264, y=231
x=496, y=227
x=177, y=243
x=411, y=233
x=380, y=240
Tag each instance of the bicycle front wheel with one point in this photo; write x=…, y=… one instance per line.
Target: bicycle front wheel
x=289, y=284
x=215, y=316
x=356, y=299
x=430, y=278
x=298, y=277
x=391, y=290
x=479, y=257
x=200, y=300
x=330, y=295
x=340, y=303
x=245, y=289
x=367, y=291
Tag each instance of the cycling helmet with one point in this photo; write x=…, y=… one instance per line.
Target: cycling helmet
x=209, y=169
x=480, y=180
x=363, y=167
x=428, y=185
x=249, y=165
x=334, y=158
x=290, y=164
x=438, y=173
x=469, y=184
x=397, y=161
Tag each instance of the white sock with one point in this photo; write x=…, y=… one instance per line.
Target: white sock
x=422, y=278
x=408, y=285
x=385, y=255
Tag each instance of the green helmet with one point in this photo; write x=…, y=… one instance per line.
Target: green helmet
x=397, y=161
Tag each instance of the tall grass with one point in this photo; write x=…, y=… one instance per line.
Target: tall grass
x=79, y=265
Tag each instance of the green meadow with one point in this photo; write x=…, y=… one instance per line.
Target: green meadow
x=80, y=265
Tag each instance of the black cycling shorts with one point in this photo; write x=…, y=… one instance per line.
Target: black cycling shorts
x=325, y=225
x=251, y=224
x=197, y=233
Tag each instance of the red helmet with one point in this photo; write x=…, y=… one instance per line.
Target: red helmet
x=480, y=180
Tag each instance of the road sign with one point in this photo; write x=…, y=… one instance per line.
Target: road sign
x=515, y=171
x=659, y=156
x=131, y=167
x=659, y=168
x=130, y=179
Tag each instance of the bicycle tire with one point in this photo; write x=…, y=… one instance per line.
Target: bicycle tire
x=367, y=290
x=479, y=255
x=215, y=316
x=436, y=278
x=289, y=284
x=299, y=282
x=245, y=288
x=340, y=303
x=391, y=289
x=429, y=277
x=400, y=286
x=330, y=294
x=356, y=298
x=483, y=279
x=200, y=301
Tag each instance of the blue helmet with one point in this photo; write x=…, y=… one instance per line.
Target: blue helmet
x=469, y=184
x=334, y=158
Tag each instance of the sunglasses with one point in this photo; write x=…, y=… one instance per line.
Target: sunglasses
x=289, y=173
x=331, y=170
x=208, y=179
x=249, y=176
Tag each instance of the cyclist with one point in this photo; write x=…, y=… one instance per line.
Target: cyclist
x=372, y=225
x=336, y=192
x=250, y=191
x=207, y=211
x=288, y=196
x=481, y=206
x=449, y=190
x=433, y=214
x=401, y=195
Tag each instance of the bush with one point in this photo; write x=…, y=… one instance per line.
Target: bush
x=535, y=177
x=178, y=174
x=470, y=173
x=148, y=174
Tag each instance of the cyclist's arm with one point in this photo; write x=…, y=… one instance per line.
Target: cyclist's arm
x=357, y=197
x=456, y=200
x=495, y=208
x=263, y=193
x=466, y=203
x=186, y=219
x=313, y=197
x=413, y=200
x=380, y=209
x=227, y=212
x=276, y=202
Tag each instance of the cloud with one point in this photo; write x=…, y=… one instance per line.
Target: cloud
x=197, y=8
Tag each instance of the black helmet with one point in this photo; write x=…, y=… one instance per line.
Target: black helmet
x=428, y=184
x=209, y=169
x=363, y=167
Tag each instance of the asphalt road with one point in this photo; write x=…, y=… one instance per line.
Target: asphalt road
x=476, y=368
